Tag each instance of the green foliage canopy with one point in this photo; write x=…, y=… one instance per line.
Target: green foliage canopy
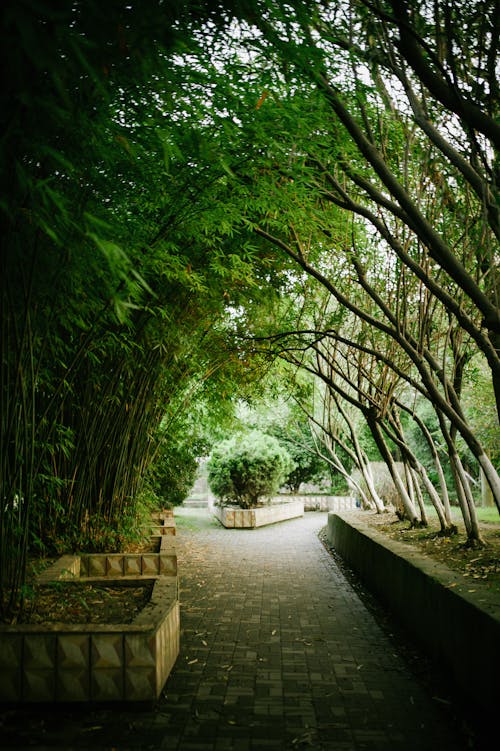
x=170, y=178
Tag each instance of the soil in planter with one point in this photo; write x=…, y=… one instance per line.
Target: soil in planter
x=85, y=602
x=147, y=546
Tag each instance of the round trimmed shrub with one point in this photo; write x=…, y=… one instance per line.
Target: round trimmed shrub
x=247, y=468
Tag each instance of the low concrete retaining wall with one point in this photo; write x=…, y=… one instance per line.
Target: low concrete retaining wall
x=457, y=628
x=64, y=662
x=231, y=516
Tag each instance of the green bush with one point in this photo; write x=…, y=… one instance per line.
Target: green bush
x=247, y=468
x=172, y=475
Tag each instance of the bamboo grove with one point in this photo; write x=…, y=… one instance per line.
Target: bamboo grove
x=191, y=195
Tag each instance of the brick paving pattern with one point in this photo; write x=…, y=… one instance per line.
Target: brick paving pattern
x=277, y=652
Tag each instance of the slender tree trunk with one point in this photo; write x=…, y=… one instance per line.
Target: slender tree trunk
x=447, y=527
x=462, y=486
x=495, y=340
x=491, y=476
x=335, y=462
x=418, y=469
x=363, y=463
x=445, y=498
x=409, y=509
x=412, y=481
x=486, y=494
x=366, y=471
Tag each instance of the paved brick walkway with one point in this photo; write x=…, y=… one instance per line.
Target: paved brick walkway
x=277, y=652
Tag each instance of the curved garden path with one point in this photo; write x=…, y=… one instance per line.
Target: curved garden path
x=277, y=652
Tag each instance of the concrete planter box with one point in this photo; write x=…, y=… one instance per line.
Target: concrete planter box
x=98, y=662
x=235, y=517
x=163, y=563
x=318, y=502
x=163, y=523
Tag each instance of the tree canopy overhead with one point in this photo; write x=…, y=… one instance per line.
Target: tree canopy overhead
x=193, y=190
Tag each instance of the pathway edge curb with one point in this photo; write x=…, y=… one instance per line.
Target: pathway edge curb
x=456, y=628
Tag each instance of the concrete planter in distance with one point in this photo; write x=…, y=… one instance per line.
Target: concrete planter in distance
x=318, y=502
x=235, y=517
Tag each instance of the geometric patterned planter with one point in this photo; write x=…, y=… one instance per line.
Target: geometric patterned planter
x=97, y=662
x=163, y=523
x=118, y=565
x=234, y=517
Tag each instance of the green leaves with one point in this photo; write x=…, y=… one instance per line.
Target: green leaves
x=247, y=468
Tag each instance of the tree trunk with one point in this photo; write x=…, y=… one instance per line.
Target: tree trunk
x=412, y=480
x=363, y=463
x=491, y=476
x=409, y=509
x=447, y=526
x=370, y=484
x=487, y=499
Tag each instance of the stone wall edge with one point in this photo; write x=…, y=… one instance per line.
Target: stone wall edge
x=450, y=624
